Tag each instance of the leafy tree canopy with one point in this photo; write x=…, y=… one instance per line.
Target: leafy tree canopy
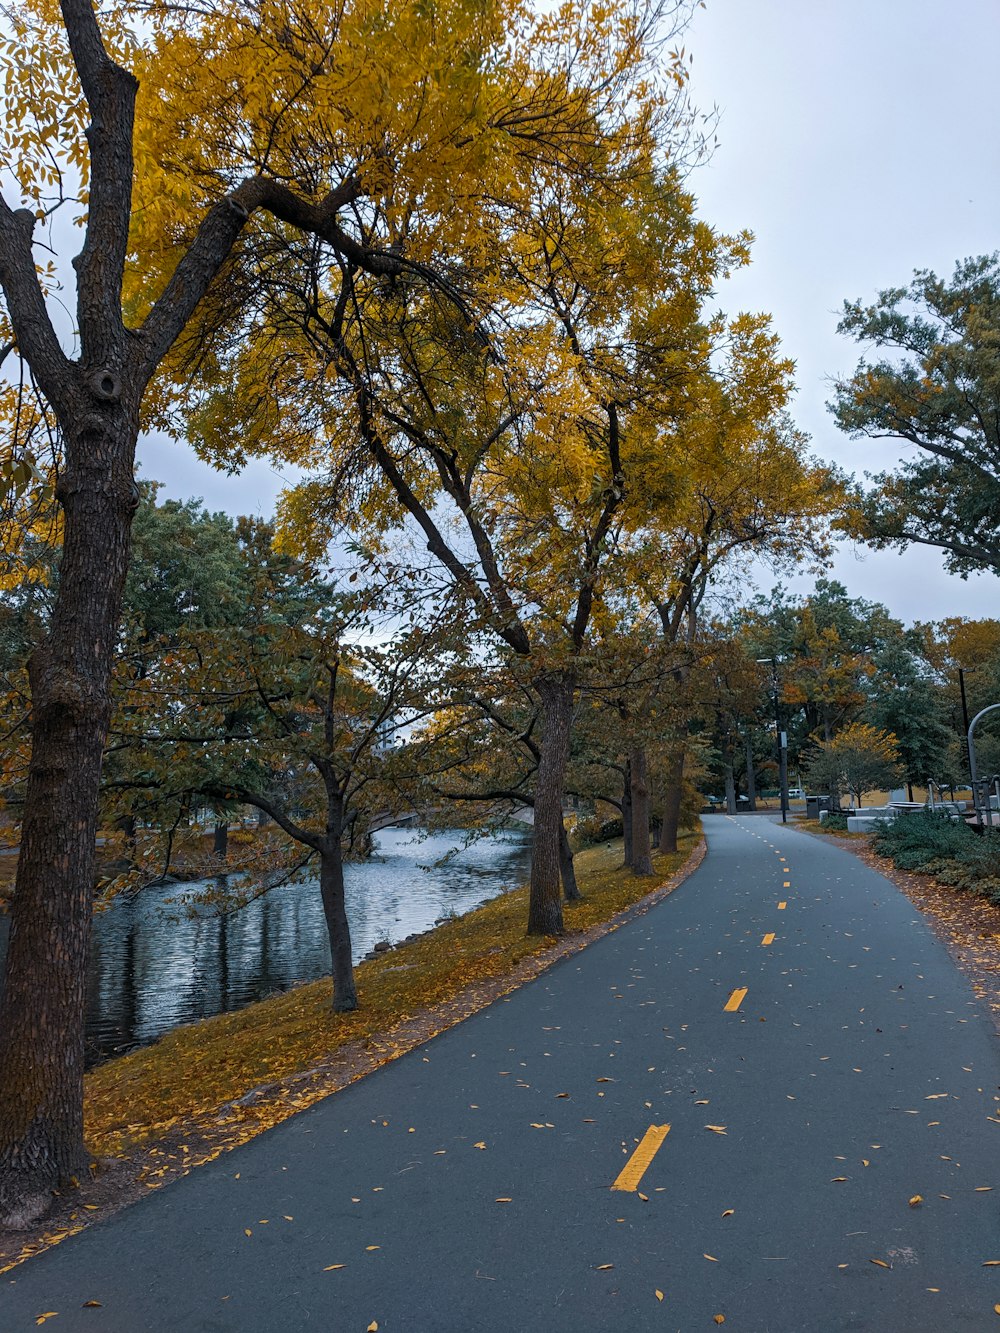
x=937, y=387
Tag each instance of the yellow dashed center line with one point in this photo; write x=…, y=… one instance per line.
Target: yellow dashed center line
x=638, y=1164
x=787, y=884
x=735, y=1000
x=768, y=938
x=782, y=906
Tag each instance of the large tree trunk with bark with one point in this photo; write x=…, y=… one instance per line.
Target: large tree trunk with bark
x=331, y=887
x=673, y=790
x=642, y=861
x=730, y=779
x=220, y=841
x=545, y=906
x=628, y=848
x=751, y=776
x=571, y=890
x=42, y=1008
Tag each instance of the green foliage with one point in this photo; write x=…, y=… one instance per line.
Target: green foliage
x=937, y=388
x=835, y=822
x=936, y=845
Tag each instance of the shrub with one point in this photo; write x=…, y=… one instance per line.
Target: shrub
x=835, y=822
x=940, y=846
x=592, y=830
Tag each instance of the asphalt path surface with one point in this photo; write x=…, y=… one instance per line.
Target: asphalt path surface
x=468, y=1186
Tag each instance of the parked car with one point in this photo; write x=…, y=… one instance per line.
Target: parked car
x=796, y=794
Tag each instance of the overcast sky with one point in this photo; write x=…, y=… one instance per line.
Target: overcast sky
x=858, y=141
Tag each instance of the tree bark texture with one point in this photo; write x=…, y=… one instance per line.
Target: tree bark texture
x=672, y=795
x=627, y=845
x=331, y=887
x=42, y=1008
x=220, y=841
x=642, y=861
x=555, y=694
x=751, y=777
x=727, y=769
x=571, y=890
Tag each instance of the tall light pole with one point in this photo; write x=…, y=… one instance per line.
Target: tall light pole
x=781, y=737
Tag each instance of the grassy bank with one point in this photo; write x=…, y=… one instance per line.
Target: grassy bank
x=188, y=1074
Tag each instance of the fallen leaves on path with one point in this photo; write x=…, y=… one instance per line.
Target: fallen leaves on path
x=717, y=1129
x=916, y=1201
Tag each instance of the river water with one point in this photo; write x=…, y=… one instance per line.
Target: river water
x=150, y=972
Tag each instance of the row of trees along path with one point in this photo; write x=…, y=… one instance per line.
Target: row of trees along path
x=489, y=300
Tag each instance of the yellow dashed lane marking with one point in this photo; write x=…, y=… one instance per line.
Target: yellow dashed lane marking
x=768, y=938
x=787, y=884
x=735, y=1000
x=638, y=1164
x=782, y=906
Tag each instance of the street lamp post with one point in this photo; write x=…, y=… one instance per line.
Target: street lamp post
x=781, y=736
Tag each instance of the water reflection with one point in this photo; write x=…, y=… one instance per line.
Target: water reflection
x=149, y=972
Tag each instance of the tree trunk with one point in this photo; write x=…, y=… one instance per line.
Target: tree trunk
x=127, y=825
x=751, y=776
x=331, y=887
x=642, y=861
x=544, y=905
x=220, y=844
x=673, y=792
x=727, y=768
x=42, y=1007
x=909, y=792
x=627, y=816
x=571, y=890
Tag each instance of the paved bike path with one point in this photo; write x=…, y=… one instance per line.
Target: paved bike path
x=467, y=1186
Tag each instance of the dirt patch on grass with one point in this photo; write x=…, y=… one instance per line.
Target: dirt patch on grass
x=967, y=926
x=157, y=1113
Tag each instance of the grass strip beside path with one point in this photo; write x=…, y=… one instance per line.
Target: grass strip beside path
x=209, y=1086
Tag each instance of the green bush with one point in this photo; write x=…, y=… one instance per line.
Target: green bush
x=593, y=830
x=944, y=848
x=835, y=822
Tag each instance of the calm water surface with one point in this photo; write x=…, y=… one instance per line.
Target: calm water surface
x=150, y=972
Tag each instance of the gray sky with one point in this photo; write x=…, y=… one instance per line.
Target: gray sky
x=858, y=140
